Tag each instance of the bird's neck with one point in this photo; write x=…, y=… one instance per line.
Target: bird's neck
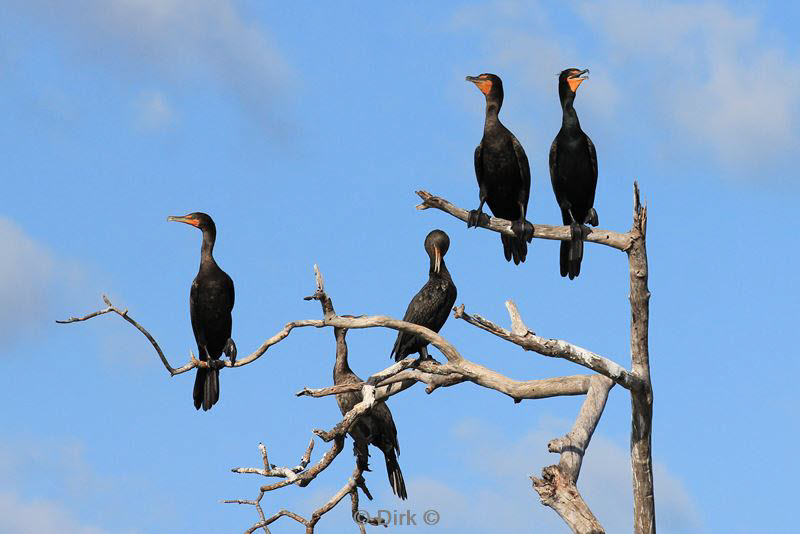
x=569, y=118
x=443, y=272
x=207, y=250
x=492, y=110
x=341, y=368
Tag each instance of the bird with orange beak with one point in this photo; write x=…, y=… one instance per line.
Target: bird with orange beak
x=503, y=173
x=210, y=304
x=573, y=173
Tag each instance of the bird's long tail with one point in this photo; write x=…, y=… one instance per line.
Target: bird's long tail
x=395, y=475
x=572, y=254
x=514, y=248
x=206, y=388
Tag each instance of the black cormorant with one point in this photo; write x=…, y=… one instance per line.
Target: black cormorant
x=504, y=176
x=373, y=428
x=573, y=173
x=431, y=306
x=210, y=304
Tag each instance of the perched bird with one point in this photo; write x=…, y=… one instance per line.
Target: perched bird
x=431, y=306
x=375, y=427
x=573, y=173
x=210, y=304
x=504, y=176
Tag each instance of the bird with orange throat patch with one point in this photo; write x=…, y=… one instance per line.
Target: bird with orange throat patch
x=573, y=173
x=503, y=173
x=210, y=304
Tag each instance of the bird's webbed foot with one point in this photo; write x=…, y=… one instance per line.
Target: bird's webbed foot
x=591, y=218
x=523, y=229
x=230, y=350
x=477, y=218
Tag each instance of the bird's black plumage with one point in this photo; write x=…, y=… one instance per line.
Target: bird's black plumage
x=376, y=427
x=431, y=306
x=210, y=304
x=503, y=172
x=573, y=173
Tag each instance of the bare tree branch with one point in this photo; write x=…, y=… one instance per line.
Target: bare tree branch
x=194, y=362
x=555, y=348
x=541, y=231
x=572, y=447
x=557, y=487
x=644, y=510
x=558, y=492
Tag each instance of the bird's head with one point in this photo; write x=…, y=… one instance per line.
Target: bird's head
x=570, y=79
x=436, y=244
x=489, y=84
x=197, y=219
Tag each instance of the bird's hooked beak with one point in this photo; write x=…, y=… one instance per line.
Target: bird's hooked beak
x=437, y=259
x=184, y=219
x=483, y=84
x=577, y=78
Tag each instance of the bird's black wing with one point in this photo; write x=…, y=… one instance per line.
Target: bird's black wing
x=230, y=291
x=421, y=310
x=524, y=171
x=554, y=168
x=385, y=438
x=386, y=431
x=593, y=159
x=195, y=314
x=592, y=156
x=479, y=165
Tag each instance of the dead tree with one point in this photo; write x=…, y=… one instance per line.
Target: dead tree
x=557, y=485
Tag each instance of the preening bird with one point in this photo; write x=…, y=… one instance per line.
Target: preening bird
x=376, y=427
x=431, y=306
x=210, y=304
x=503, y=173
x=573, y=173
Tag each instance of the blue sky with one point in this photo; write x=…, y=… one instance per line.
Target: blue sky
x=304, y=130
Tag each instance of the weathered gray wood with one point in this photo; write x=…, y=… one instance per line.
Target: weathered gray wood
x=554, y=348
x=557, y=487
x=540, y=231
x=644, y=509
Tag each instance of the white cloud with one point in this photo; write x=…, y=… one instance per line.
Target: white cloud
x=175, y=39
x=26, y=276
x=32, y=280
x=153, y=112
x=605, y=481
x=63, y=465
x=714, y=70
x=39, y=516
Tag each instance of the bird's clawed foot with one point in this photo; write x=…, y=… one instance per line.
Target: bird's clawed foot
x=230, y=350
x=423, y=357
x=577, y=231
x=591, y=218
x=477, y=218
x=523, y=229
